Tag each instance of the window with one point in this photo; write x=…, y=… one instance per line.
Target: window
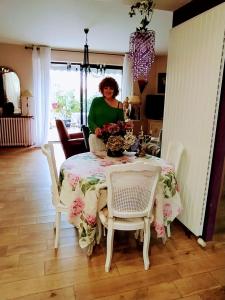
x=66, y=91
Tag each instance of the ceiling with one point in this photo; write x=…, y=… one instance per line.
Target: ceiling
x=60, y=24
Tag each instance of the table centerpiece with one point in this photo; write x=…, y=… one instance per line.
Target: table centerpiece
x=117, y=137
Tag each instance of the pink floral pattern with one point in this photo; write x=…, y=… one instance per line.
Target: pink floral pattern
x=160, y=229
x=167, y=169
x=73, y=179
x=84, y=172
x=167, y=210
x=91, y=220
x=76, y=207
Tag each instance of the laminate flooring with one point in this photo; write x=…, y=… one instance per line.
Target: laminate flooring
x=32, y=270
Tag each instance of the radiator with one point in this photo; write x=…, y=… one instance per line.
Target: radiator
x=17, y=131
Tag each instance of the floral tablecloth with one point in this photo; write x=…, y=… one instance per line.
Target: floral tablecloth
x=81, y=178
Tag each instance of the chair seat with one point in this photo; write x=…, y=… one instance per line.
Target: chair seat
x=122, y=224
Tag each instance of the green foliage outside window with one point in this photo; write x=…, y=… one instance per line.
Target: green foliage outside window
x=66, y=103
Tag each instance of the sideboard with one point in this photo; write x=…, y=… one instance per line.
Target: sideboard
x=16, y=131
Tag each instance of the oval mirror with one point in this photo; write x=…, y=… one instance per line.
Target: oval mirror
x=9, y=88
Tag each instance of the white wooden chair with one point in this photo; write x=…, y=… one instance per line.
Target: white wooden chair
x=96, y=144
x=131, y=190
x=173, y=156
x=48, y=151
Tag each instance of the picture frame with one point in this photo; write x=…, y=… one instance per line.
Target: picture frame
x=161, y=83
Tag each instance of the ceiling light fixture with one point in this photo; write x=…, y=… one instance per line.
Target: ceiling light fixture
x=142, y=41
x=85, y=70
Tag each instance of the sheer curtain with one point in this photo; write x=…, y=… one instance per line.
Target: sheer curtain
x=127, y=82
x=41, y=60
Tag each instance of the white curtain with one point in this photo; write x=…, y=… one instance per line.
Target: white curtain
x=127, y=82
x=41, y=60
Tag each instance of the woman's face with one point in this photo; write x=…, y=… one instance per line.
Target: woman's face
x=108, y=92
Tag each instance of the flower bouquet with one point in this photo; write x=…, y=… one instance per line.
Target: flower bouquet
x=117, y=137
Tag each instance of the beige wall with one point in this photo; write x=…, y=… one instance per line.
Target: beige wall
x=20, y=60
x=159, y=66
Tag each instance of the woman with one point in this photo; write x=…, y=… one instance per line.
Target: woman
x=105, y=109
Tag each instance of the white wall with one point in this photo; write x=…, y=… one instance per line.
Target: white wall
x=194, y=70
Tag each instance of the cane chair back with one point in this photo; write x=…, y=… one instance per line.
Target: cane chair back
x=131, y=191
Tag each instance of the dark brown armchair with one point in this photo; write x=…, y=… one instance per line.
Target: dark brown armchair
x=72, y=143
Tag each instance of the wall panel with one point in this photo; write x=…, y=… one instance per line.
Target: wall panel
x=194, y=75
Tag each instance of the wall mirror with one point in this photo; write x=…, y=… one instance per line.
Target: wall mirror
x=9, y=88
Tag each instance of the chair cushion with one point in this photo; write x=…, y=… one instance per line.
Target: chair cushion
x=119, y=222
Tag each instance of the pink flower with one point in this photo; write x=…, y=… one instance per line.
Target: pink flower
x=76, y=207
x=73, y=179
x=167, y=170
x=129, y=125
x=159, y=229
x=98, y=132
x=167, y=210
x=54, y=105
x=91, y=219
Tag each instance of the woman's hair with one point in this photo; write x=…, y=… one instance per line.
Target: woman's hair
x=109, y=82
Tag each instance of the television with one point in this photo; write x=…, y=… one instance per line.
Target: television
x=154, y=107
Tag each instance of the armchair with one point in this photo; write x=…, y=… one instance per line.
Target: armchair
x=72, y=143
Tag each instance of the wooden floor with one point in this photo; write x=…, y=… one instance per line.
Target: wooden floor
x=31, y=270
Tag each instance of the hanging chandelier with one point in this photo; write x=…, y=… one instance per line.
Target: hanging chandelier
x=96, y=68
x=86, y=68
x=86, y=65
x=142, y=41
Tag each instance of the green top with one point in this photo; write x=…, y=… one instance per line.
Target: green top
x=101, y=113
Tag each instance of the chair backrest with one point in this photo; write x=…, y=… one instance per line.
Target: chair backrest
x=62, y=131
x=131, y=189
x=86, y=133
x=48, y=151
x=174, y=154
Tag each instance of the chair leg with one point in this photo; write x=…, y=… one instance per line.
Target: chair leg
x=110, y=237
x=168, y=230
x=57, y=228
x=147, y=235
x=99, y=231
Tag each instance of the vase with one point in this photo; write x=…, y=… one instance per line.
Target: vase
x=117, y=153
